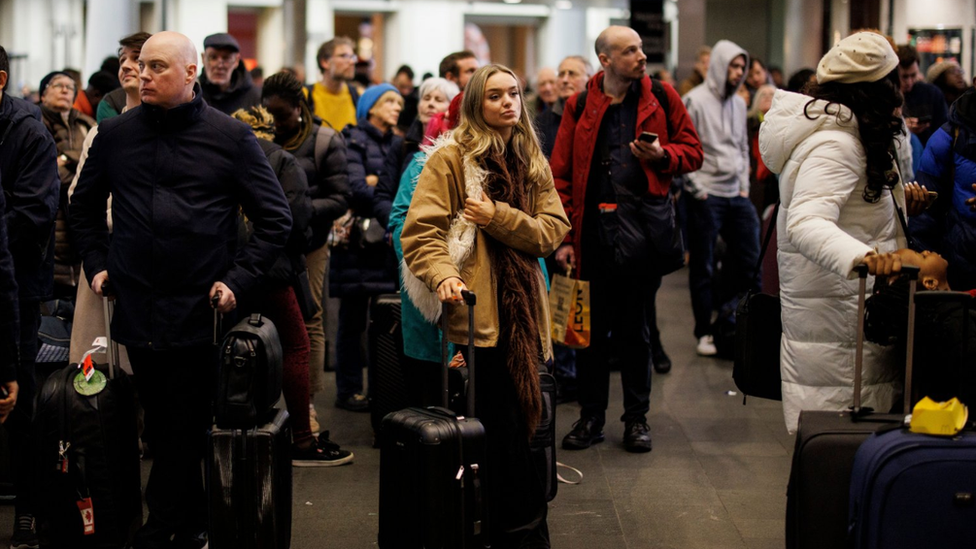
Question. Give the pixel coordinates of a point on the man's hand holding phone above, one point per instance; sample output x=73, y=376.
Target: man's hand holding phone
x=647, y=147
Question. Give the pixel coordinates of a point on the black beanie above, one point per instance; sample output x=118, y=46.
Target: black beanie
x=47, y=80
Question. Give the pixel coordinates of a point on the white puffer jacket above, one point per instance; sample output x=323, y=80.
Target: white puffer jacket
x=825, y=228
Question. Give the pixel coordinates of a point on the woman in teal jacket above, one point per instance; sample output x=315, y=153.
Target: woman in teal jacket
x=421, y=339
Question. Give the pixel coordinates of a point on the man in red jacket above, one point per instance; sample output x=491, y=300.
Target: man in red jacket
x=598, y=162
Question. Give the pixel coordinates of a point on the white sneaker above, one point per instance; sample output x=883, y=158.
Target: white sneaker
x=706, y=346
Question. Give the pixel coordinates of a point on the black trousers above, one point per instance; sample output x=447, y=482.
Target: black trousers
x=621, y=314
x=517, y=507
x=176, y=389
x=19, y=422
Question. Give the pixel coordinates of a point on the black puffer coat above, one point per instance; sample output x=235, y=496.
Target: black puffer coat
x=328, y=182
x=293, y=183
x=369, y=270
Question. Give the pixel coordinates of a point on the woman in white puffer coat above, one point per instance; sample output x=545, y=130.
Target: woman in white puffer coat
x=836, y=152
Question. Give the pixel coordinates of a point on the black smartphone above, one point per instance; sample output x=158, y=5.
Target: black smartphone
x=647, y=137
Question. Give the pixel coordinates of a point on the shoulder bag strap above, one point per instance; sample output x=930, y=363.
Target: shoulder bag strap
x=901, y=213
x=769, y=235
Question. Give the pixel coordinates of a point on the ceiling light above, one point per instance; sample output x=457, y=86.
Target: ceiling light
x=512, y=1
x=564, y=5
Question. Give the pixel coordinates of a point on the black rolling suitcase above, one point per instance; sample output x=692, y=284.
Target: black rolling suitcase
x=387, y=387
x=87, y=456
x=431, y=471
x=249, y=485
x=248, y=468
x=823, y=458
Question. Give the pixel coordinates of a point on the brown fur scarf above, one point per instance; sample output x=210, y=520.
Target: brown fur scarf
x=519, y=292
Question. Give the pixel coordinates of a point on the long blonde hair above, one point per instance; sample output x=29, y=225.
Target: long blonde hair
x=478, y=140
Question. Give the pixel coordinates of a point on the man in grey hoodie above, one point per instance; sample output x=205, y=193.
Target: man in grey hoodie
x=719, y=191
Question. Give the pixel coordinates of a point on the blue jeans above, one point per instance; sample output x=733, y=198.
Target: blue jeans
x=735, y=219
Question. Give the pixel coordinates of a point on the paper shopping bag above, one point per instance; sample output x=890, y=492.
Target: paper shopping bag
x=569, y=309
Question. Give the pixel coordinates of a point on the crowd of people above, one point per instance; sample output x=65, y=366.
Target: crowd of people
x=336, y=190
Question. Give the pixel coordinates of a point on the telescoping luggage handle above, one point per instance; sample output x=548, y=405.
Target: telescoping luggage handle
x=471, y=300
x=218, y=318
x=112, y=348
x=862, y=273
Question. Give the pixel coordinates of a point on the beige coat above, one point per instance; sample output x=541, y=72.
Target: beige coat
x=438, y=243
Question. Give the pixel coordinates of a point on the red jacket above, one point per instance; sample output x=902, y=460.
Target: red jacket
x=576, y=141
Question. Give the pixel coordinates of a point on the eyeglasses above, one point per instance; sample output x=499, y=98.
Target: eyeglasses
x=222, y=60
x=59, y=86
x=346, y=56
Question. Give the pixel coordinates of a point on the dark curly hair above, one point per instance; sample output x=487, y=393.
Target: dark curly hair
x=291, y=90
x=873, y=104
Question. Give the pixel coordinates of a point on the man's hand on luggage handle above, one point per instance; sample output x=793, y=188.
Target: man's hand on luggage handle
x=7, y=404
x=98, y=281
x=449, y=291
x=227, y=301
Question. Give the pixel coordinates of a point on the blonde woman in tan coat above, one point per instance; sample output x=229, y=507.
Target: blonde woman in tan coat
x=484, y=211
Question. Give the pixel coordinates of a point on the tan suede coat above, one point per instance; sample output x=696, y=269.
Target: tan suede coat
x=434, y=226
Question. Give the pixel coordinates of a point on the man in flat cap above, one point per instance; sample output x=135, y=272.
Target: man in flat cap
x=226, y=84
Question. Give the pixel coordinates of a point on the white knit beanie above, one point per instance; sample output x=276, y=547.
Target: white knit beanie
x=861, y=57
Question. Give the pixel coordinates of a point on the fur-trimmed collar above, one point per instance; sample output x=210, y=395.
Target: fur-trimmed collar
x=460, y=235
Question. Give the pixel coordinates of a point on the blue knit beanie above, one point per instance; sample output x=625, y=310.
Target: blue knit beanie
x=370, y=97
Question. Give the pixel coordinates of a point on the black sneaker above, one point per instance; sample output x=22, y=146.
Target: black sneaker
x=355, y=403
x=322, y=453
x=25, y=533
x=637, y=437
x=586, y=432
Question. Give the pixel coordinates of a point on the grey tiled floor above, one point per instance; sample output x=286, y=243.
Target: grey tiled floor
x=715, y=479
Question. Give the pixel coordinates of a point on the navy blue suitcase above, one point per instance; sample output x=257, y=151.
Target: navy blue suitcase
x=910, y=491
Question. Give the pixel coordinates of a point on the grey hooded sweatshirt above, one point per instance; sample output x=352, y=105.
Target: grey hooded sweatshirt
x=720, y=119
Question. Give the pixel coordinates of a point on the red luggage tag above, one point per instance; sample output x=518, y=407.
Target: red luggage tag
x=88, y=367
x=87, y=515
